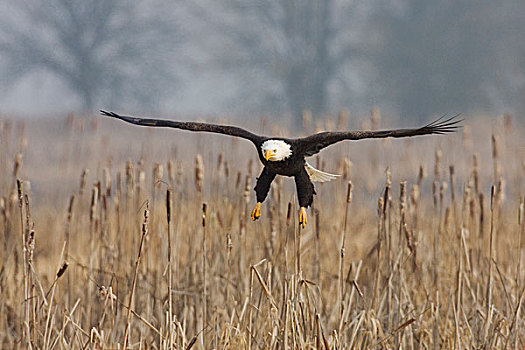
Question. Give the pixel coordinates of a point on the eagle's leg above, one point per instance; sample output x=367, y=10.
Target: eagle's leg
x=262, y=188
x=256, y=212
x=305, y=194
x=302, y=217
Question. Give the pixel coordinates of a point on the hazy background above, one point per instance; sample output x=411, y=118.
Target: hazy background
x=266, y=57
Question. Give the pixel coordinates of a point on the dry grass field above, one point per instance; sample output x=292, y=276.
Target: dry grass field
x=115, y=236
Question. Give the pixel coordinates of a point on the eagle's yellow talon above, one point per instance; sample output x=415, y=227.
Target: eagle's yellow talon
x=256, y=212
x=302, y=217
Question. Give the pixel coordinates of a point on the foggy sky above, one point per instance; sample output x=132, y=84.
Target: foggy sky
x=408, y=57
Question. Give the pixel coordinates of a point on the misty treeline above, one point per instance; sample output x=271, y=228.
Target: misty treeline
x=415, y=58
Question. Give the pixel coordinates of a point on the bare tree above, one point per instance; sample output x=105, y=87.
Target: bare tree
x=105, y=51
x=438, y=57
x=291, y=50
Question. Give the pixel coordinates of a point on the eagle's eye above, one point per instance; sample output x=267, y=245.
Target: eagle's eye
x=275, y=150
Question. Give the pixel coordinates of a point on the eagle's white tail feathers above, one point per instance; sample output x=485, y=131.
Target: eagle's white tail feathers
x=318, y=175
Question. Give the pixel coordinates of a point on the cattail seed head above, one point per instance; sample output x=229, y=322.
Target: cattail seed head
x=62, y=269
x=437, y=163
x=171, y=171
x=414, y=195
x=495, y=152
x=107, y=182
x=129, y=174
x=204, y=207
x=247, y=186
x=168, y=204
x=94, y=201
x=220, y=159
x=229, y=244
x=142, y=179
x=402, y=194
x=347, y=168
x=349, y=192
x=380, y=206
x=83, y=178
x=199, y=172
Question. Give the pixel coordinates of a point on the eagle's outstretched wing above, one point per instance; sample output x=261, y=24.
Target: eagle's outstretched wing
x=310, y=145
x=191, y=126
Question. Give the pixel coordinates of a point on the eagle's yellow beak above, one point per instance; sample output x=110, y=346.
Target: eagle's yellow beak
x=268, y=154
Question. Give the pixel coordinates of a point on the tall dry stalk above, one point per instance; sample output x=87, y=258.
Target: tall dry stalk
x=170, y=269
x=135, y=274
x=342, y=251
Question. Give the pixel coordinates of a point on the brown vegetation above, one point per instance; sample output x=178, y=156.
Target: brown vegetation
x=115, y=236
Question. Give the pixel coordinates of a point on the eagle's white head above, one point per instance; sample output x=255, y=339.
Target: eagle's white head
x=276, y=150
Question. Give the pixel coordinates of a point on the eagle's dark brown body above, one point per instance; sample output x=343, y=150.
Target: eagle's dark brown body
x=294, y=165
x=291, y=166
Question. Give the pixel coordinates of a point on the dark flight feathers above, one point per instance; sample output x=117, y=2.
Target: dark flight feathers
x=191, y=126
x=307, y=146
x=314, y=143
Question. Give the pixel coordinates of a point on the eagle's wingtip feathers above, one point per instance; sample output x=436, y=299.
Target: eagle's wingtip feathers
x=446, y=126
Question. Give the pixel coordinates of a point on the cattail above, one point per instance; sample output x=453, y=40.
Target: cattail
x=30, y=246
x=500, y=191
x=199, y=172
x=129, y=175
x=452, y=182
x=388, y=190
x=142, y=180
x=442, y=190
x=349, y=192
x=204, y=207
x=380, y=207
x=226, y=169
x=495, y=149
x=347, y=167
x=289, y=213
x=495, y=157
x=171, y=171
x=220, y=159
x=247, y=185
x=168, y=206
x=250, y=167
x=238, y=180
x=83, y=177
x=437, y=164
x=17, y=165
x=94, y=201
x=62, y=269
x=414, y=195
x=20, y=192
x=421, y=175
x=402, y=195
x=107, y=182
x=435, y=192
x=475, y=172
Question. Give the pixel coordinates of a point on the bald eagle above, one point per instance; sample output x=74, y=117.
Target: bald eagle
x=284, y=156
